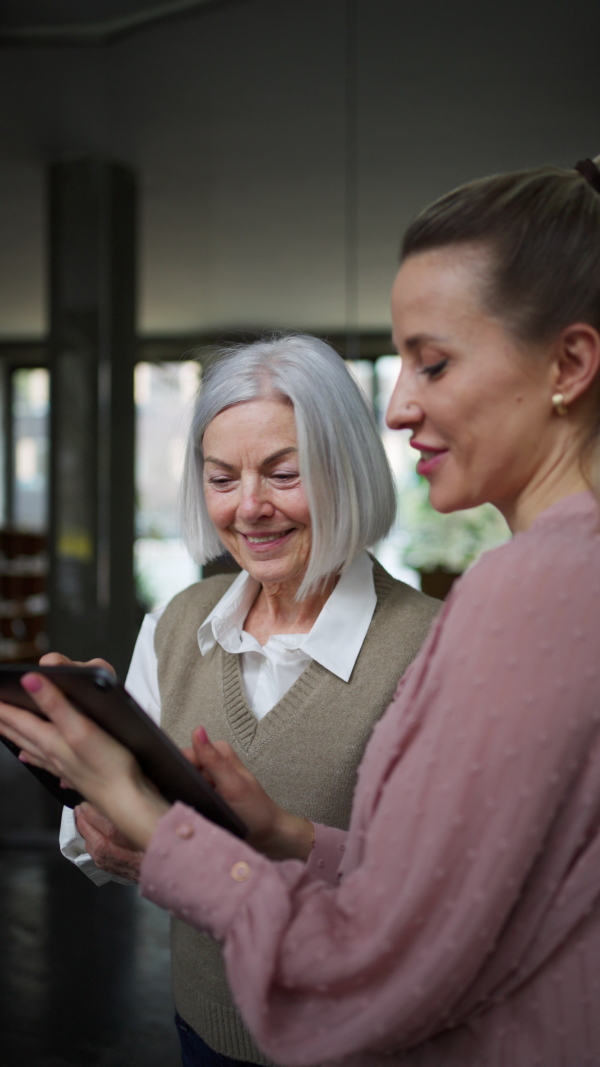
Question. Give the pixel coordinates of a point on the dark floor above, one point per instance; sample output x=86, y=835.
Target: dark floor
x=84, y=970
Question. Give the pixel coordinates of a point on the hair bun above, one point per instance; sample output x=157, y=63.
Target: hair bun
x=589, y=170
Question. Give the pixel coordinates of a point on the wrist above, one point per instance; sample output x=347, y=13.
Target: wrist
x=293, y=837
x=136, y=809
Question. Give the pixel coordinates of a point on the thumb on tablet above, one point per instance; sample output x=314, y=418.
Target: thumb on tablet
x=217, y=761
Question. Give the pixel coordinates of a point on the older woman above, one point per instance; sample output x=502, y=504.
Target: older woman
x=462, y=927
x=293, y=661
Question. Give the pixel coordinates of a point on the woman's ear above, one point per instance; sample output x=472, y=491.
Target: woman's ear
x=577, y=361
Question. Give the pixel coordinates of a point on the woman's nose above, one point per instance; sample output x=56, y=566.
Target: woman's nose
x=254, y=503
x=403, y=412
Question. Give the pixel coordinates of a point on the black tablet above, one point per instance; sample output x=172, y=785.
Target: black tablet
x=95, y=693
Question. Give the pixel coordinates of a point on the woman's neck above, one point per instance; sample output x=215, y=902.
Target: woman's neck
x=276, y=611
x=561, y=478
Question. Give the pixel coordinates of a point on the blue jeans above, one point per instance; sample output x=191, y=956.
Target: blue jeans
x=196, y=1053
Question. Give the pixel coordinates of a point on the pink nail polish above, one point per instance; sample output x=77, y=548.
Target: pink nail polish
x=31, y=682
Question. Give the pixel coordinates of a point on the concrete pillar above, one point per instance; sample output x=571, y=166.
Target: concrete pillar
x=92, y=353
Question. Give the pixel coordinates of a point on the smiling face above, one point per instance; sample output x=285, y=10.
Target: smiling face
x=253, y=490
x=478, y=406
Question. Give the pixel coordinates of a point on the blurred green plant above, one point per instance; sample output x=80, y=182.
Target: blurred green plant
x=445, y=542
x=144, y=593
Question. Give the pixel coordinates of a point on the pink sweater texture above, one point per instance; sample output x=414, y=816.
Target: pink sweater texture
x=457, y=922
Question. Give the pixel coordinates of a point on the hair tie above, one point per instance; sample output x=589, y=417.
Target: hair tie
x=588, y=170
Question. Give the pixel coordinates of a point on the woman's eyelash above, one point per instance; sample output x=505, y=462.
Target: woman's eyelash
x=283, y=476
x=434, y=369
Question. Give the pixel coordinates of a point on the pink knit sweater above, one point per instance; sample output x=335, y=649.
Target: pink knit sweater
x=463, y=925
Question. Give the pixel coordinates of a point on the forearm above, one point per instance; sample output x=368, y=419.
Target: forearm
x=134, y=806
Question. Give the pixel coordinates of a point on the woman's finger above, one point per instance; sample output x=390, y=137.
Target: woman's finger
x=32, y=761
x=215, y=753
x=74, y=727
x=219, y=763
x=190, y=755
x=11, y=726
x=26, y=730
x=31, y=758
x=56, y=659
x=89, y=816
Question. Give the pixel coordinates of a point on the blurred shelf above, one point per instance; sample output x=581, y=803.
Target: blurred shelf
x=23, y=598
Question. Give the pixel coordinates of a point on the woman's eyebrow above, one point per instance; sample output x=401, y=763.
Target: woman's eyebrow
x=219, y=462
x=413, y=343
x=279, y=454
x=269, y=459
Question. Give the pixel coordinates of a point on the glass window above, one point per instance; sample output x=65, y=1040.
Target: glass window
x=422, y=541
x=377, y=379
x=362, y=372
x=390, y=552
x=30, y=409
x=164, y=395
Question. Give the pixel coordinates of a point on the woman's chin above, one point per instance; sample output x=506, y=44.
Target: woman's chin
x=445, y=500
x=446, y=503
x=274, y=571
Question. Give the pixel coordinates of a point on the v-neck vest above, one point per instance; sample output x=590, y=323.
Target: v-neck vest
x=305, y=751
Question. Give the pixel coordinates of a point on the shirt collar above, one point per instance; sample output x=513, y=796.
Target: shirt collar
x=226, y=620
x=337, y=635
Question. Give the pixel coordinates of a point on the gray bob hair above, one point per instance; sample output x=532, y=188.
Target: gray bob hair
x=342, y=462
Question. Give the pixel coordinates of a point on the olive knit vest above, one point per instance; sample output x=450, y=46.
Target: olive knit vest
x=305, y=751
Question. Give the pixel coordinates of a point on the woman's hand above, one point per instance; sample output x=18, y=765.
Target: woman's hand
x=86, y=758
x=110, y=850
x=272, y=830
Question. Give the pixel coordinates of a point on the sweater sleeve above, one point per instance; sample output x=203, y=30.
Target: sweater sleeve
x=327, y=853
x=465, y=827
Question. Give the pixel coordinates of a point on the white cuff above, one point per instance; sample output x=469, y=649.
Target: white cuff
x=72, y=847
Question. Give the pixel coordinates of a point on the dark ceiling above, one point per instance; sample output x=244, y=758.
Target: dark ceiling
x=280, y=147
x=93, y=22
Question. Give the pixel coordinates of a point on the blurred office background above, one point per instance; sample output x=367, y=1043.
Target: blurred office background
x=175, y=174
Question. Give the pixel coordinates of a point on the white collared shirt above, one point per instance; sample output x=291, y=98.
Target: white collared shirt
x=268, y=671
x=334, y=641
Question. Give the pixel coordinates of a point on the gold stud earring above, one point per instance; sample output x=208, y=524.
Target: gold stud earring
x=558, y=402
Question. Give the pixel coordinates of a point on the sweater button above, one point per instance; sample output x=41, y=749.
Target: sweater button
x=240, y=871
x=184, y=830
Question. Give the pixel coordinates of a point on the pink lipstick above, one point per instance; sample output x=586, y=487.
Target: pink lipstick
x=430, y=457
